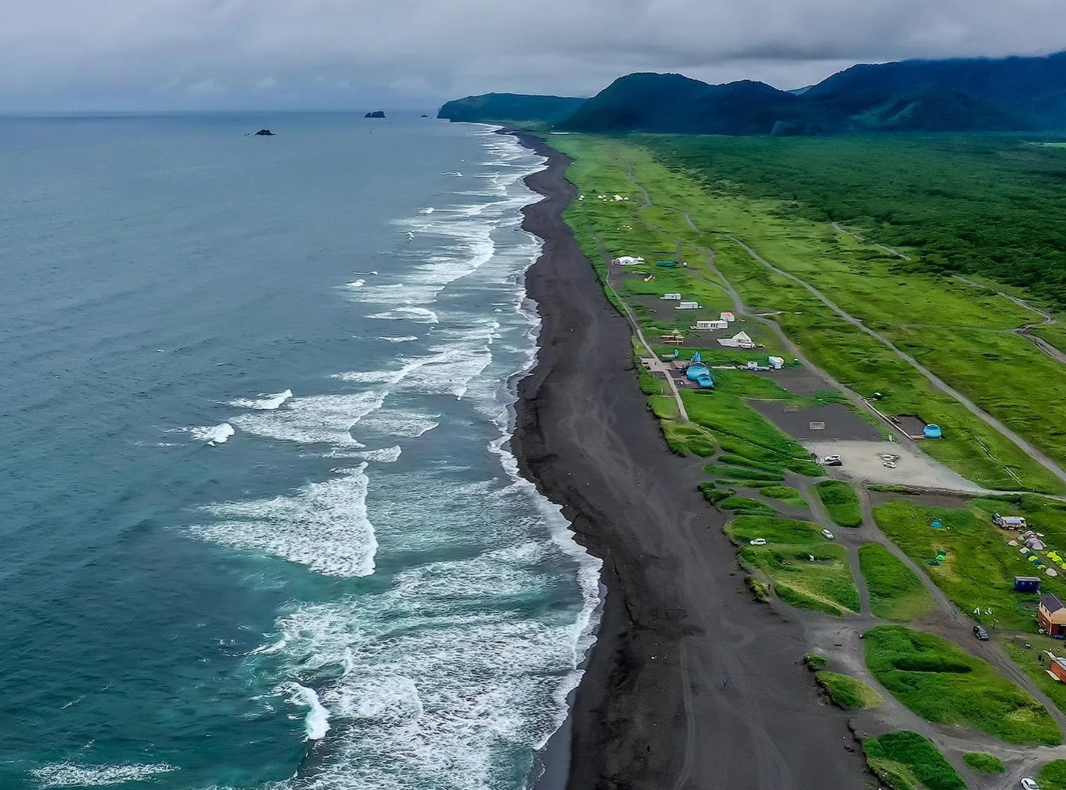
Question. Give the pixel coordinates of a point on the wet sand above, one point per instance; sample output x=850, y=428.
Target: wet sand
x=691, y=683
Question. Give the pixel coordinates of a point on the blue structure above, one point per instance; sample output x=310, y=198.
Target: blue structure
x=701, y=374
x=696, y=358
x=933, y=432
x=1027, y=583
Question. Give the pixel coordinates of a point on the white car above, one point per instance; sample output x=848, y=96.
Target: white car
x=828, y=534
x=832, y=460
x=1029, y=784
x=757, y=541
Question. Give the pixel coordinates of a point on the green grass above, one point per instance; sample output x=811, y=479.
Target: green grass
x=786, y=494
x=980, y=567
x=940, y=682
x=1052, y=776
x=895, y=592
x=815, y=662
x=908, y=761
x=746, y=506
x=1030, y=663
x=984, y=763
x=824, y=585
x=877, y=287
x=840, y=502
x=744, y=473
x=847, y=692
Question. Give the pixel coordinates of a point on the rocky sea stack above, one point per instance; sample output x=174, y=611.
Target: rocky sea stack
x=375, y=114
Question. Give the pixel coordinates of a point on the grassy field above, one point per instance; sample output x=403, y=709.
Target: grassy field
x=860, y=278
x=980, y=566
x=1053, y=776
x=847, y=692
x=823, y=584
x=1029, y=659
x=942, y=683
x=840, y=502
x=786, y=494
x=984, y=763
x=895, y=592
x=907, y=761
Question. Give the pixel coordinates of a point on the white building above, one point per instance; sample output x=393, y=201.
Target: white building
x=688, y=305
x=777, y=363
x=711, y=324
x=671, y=297
x=728, y=317
x=739, y=340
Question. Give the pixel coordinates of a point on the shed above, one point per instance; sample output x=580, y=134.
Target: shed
x=1051, y=615
x=1057, y=668
x=933, y=431
x=1026, y=583
x=688, y=305
x=777, y=363
x=728, y=317
x=671, y=297
x=711, y=324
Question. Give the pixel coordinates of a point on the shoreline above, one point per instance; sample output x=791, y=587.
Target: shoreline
x=653, y=708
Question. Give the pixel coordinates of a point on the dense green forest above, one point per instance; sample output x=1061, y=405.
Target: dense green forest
x=990, y=205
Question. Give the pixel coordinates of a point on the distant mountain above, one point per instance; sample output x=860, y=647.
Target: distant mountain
x=673, y=103
x=509, y=107
x=959, y=95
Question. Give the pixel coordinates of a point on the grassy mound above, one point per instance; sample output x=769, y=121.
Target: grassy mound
x=895, y=592
x=841, y=502
x=848, y=692
x=984, y=763
x=1052, y=776
x=907, y=761
x=942, y=683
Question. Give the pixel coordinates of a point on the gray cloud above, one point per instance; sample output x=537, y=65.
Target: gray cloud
x=162, y=54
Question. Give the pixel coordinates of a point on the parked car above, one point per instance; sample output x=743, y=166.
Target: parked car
x=832, y=460
x=980, y=632
x=828, y=534
x=757, y=541
x=1029, y=784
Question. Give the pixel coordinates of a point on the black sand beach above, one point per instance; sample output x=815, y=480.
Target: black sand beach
x=691, y=684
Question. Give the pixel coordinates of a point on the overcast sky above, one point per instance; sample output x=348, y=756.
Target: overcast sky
x=360, y=54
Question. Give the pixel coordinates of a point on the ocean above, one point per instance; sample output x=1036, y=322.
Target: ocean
x=260, y=526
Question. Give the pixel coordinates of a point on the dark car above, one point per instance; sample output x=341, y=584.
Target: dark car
x=980, y=632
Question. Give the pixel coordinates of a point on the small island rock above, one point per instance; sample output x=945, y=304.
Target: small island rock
x=375, y=114
x=264, y=133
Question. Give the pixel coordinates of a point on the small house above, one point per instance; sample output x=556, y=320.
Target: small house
x=776, y=363
x=1026, y=583
x=671, y=297
x=1057, y=668
x=688, y=305
x=739, y=340
x=728, y=317
x=1051, y=615
x=711, y=324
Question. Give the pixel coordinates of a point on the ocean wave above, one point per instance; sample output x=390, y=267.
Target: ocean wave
x=212, y=435
x=323, y=526
x=264, y=402
x=428, y=210
x=419, y=315
x=317, y=419
x=316, y=723
x=403, y=339
x=75, y=775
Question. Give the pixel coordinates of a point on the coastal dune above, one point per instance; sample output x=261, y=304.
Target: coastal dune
x=691, y=683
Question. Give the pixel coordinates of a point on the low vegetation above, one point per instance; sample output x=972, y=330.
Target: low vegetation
x=814, y=661
x=787, y=494
x=848, y=692
x=942, y=683
x=745, y=506
x=801, y=566
x=840, y=502
x=978, y=566
x=908, y=761
x=1053, y=776
x=1033, y=660
x=984, y=763
x=895, y=592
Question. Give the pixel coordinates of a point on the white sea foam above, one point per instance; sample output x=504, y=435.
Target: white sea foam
x=264, y=402
x=316, y=723
x=428, y=210
x=403, y=339
x=323, y=526
x=419, y=315
x=318, y=419
x=387, y=455
x=75, y=775
x=357, y=284
x=212, y=434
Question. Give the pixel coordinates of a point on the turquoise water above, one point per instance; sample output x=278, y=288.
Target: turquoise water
x=260, y=527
